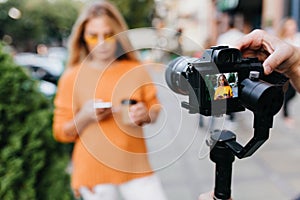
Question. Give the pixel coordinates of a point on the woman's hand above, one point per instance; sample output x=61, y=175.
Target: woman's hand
x=92, y=114
x=139, y=114
x=87, y=114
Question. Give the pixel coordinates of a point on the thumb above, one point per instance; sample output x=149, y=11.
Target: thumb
x=280, y=55
x=273, y=62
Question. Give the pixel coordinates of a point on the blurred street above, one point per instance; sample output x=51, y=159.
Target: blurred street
x=36, y=35
x=180, y=157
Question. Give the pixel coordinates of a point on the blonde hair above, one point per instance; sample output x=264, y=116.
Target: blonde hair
x=77, y=47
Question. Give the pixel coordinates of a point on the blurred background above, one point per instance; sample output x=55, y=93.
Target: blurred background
x=41, y=27
x=34, y=37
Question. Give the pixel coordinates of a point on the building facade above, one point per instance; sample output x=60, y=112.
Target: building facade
x=203, y=20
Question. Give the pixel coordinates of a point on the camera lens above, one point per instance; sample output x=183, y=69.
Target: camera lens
x=176, y=75
x=261, y=96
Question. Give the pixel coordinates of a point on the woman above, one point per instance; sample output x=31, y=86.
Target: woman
x=223, y=90
x=108, y=154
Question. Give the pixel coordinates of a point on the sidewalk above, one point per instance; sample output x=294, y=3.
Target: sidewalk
x=177, y=152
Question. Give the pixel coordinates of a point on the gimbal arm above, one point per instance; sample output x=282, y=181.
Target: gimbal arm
x=262, y=124
x=226, y=146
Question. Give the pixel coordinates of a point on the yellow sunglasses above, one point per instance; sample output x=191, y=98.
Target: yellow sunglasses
x=93, y=39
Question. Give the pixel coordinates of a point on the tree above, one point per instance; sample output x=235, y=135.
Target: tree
x=41, y=21
x=32, y=163
x=51, y=21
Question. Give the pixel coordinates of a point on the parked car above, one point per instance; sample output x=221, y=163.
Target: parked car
x=43, y=68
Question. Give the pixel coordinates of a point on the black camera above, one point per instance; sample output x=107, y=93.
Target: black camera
x=222, y=82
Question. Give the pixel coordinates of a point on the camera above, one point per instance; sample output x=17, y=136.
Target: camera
x=221, y=81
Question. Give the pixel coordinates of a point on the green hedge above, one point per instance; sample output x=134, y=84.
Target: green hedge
x=32, y=164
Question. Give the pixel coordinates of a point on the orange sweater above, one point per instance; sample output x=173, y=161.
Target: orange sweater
x=108, y=151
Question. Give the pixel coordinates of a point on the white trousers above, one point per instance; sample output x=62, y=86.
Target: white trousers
x=146, y=188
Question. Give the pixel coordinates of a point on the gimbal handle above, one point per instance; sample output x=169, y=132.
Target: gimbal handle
x=226, y=147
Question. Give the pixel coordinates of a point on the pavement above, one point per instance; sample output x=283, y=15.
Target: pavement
x=179, y=155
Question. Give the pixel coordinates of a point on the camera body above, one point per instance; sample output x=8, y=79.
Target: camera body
x=222, y=82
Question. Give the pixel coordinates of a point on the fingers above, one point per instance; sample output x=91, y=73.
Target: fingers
x=102, y=113
x=139, y=113
x=270, y=49
x=101, y=109
x=281, y=59
x=251, y=41
x=257, y=44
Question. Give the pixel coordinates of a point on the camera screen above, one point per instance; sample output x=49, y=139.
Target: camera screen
x=222, y=86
